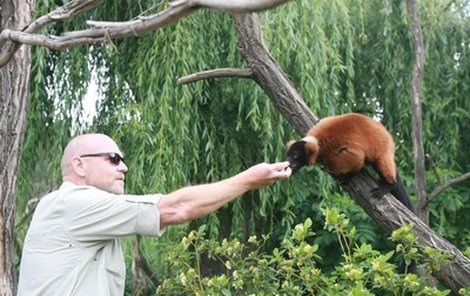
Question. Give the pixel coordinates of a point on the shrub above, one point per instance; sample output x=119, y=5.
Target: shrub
x=291, y=269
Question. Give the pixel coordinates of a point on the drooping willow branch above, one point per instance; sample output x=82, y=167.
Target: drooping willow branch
x=102, y=31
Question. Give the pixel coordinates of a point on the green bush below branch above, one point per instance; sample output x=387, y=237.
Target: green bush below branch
x=292, y=268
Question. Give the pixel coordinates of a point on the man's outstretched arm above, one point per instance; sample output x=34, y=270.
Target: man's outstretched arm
x=192, y=202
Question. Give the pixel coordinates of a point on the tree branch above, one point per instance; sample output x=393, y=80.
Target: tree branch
x=269, y=75
x=28, y=212
x=417, y=122
x=102, y=31
x=387, y=211
x=216, y=73
x=235, y=6
x=142, y=263
x=443, y=187
x=433, y=165
x=73, y=8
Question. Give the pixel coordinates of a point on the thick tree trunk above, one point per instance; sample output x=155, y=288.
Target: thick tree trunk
x=387, y=212
x=14, y=90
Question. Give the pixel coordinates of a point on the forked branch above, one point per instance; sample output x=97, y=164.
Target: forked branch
x=11, y=39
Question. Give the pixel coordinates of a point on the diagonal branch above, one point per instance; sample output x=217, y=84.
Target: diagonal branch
x=269, y=75
x=143, y=264
x=102, y=31
x=443, y=187
x=387, y=211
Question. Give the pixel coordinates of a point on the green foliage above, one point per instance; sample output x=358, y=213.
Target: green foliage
x=341, y=55
x=464, y=291
x=292, y=269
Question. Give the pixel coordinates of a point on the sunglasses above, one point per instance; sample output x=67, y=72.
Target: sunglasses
x=113, y=157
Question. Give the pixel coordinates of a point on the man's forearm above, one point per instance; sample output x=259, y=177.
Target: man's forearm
x=196, y=201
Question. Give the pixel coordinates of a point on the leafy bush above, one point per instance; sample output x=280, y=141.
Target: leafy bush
x=291, y=269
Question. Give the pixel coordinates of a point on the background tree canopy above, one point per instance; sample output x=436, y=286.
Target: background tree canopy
x=341, y=55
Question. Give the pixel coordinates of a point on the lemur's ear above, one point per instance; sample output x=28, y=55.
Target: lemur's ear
x=311, y=148
x=289, y=144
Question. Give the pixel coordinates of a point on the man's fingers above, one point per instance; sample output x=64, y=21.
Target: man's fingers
x=280, y=166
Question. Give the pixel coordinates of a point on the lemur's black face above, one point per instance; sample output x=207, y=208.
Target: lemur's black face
x=297, y=156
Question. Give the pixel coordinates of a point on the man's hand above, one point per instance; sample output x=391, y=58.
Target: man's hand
x=196, y=201
x=264, y=174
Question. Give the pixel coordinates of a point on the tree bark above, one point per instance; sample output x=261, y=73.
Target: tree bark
x=387, y=211
x=14, y=90
x=268, y=74
x=417, y=122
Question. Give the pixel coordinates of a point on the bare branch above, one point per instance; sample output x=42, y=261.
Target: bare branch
x=64, y=12
x=445, y=186
x=144, y=265
x=433, y=165
x=119, y=30
x=102, y=31
x=417, y=121
x=28, y=212
x=67, y=11
x=216, y=73
x=235, y=6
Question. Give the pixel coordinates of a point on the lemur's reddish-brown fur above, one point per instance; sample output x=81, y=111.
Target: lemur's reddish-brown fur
x=346, y=142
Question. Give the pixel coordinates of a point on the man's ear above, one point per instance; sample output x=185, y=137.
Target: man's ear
x=78, y=166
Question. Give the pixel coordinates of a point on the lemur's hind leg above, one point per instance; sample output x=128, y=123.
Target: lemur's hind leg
x=386, y=169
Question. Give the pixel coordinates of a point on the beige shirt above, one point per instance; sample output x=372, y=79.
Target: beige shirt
x=72, y=246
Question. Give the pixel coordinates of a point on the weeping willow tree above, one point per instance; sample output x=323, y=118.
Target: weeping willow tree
x=340, y=55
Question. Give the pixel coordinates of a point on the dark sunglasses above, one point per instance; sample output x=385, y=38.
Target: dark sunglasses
x=114, y=158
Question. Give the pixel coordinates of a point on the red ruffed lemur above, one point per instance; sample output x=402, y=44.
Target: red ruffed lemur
x=344, y=144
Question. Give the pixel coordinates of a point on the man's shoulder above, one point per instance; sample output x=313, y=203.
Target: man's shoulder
x=72, y=194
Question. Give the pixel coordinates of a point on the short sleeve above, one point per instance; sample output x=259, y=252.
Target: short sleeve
x=147, y=220
x=91, y=214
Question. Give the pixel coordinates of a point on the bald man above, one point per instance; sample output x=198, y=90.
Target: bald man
x=73, y=244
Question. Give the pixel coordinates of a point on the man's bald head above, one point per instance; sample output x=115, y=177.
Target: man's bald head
x=85, y=144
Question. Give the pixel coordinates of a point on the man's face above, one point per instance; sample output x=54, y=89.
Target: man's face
x=106, y=171
x=105, y=168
